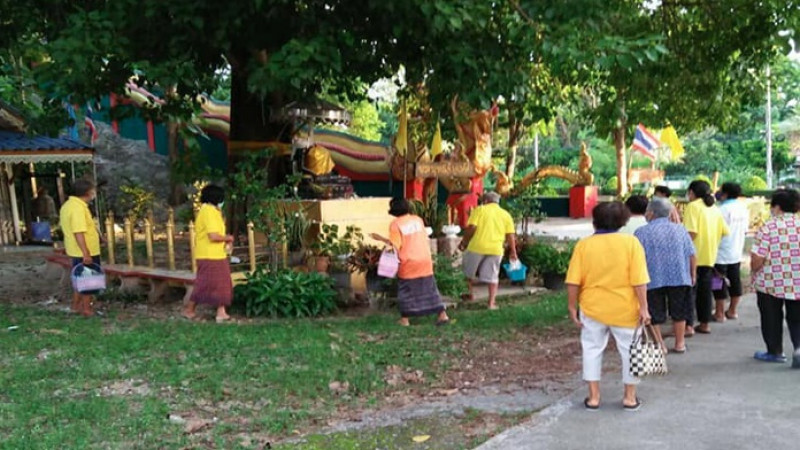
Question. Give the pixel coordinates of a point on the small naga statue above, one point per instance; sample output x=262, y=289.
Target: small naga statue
x=583, y=177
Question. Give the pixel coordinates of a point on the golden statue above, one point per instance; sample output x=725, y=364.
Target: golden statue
x=319, y=161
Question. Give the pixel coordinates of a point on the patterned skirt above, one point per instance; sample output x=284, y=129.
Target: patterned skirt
x=213, y=285
x=419, y=297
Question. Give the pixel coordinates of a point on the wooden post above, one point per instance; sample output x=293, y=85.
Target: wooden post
x=251, y=246
x=191, y=246
x=129, y=240
x=171, y=239
x=110, y=236
x=148, y=241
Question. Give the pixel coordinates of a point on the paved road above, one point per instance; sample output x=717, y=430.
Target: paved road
x=716, y=396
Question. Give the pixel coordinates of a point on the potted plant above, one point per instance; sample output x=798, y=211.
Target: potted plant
x=549, y=262
x=294, y=225
x=329, y=245
x=365, y=260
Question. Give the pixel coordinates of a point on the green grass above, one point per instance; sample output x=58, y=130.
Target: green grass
x=58, y=373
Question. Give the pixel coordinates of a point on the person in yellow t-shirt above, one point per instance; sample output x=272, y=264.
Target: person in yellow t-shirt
x=706, y=226
x=81, y=238
x=212, y=284
x=607, y=278
x=488, y=228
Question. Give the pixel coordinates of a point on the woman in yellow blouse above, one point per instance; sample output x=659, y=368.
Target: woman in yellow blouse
x=212, y=284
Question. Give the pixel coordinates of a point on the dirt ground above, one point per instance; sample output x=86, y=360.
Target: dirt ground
x=490, y=388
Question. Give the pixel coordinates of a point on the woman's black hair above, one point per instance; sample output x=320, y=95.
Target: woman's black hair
x=637, y=204
x=212, y=194
x=610, y=216
x=731, y=190
x=399, y=207
x=663, y=190
x=702, y=189
x=788, y=200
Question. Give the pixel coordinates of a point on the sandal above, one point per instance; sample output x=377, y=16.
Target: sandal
x=633, y=407
x=731, y=316
x=590, y=407
x=677, y=350
x=223, y=319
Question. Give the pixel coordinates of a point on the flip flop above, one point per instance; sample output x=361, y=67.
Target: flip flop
x=731, y=316
x=634, y=407
x=223, y=319
x=701, y=331
x=590, y=407
x=677, y=350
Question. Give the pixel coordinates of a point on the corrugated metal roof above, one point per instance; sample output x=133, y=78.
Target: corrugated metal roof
x=21, y=142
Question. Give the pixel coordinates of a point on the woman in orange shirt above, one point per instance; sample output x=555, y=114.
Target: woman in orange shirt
x=417, y=294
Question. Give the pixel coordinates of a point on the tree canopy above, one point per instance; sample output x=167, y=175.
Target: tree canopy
x=691, y=63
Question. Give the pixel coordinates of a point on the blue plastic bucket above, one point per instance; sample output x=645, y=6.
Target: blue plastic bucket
x=517, y=274
x=40, y=231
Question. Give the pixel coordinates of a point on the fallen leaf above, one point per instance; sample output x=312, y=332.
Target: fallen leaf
x=195, y=425
x=421, y=438
x=338, y=386
x=51, y=331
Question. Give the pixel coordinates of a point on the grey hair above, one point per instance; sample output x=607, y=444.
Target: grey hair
x=659, y=207
x=491, y=197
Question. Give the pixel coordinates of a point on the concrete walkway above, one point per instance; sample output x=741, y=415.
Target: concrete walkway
x=716, y=396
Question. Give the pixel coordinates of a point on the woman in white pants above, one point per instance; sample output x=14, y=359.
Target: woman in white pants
x=608, y=278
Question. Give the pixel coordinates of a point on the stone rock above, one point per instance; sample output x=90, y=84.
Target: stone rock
x=126, y=162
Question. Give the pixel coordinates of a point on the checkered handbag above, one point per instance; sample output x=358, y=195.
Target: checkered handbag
x=648, y=355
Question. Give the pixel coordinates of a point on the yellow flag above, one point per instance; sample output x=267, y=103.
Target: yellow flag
x=436, y=145
x=401, y=138
x=670, y=137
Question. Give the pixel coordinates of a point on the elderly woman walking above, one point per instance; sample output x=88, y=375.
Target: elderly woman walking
x=775, y=264
x=213, y=284
x=607, y=279
x=672, y=266
x=417, y=294
x=706, y=226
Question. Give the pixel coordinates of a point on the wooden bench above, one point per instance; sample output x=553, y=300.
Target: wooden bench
x=131, y=277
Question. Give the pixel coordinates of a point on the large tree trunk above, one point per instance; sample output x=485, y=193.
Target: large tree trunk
x=566, y=139
x=251, y=126
x=175, y=188
x=514, y=133
x=622, y=166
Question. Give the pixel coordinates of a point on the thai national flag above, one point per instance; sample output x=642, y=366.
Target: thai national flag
x=645, y=142
x=88, y=123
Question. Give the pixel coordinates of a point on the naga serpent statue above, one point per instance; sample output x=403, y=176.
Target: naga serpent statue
x=582, y=177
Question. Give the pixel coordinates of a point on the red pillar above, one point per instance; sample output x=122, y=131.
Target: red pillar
x=112, y=100
x=582, y=200
x=414, y=189
x=465, y=202
x=151, y=136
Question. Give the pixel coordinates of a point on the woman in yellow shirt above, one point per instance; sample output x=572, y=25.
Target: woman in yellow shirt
x=706, y=226
x=608, y=278
x=212, y=284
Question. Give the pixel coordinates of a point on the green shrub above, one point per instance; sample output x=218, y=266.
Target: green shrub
x=449, y=278
x=545, y=258
x=754, y=183
x=286, y=293
x=612, y=184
